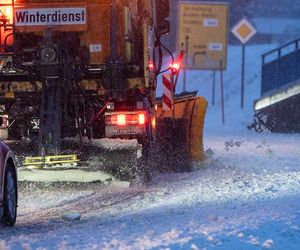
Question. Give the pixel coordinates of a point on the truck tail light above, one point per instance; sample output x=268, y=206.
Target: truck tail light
x=153, y=122
x=142, y=119
x=123, y=119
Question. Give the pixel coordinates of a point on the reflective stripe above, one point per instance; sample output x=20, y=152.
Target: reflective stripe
x=167, y=92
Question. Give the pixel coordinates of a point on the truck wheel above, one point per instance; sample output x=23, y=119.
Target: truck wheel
x=10, y=197
x=145, y=164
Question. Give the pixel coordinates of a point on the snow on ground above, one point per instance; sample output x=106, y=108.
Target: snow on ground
x=246, y=195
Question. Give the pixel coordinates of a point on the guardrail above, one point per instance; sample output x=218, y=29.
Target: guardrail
x=280, y=66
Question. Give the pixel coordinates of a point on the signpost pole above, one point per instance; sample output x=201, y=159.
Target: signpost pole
x=222, y=92
x=243, y=75
x=243, y=31
x=214, y=88
x=185, y=62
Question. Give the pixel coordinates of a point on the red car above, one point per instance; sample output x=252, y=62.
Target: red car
x=8, y=186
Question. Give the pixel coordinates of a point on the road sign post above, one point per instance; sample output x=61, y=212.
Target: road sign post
x=185, y=62
x=213, y=87
x=243, y=30
x=222, y=93
x=243, y=76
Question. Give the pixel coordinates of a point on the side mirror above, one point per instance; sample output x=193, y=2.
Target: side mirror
x=162, y=13
x=163, y=27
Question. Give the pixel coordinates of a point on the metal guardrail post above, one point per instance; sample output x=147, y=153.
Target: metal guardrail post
x=262, y=74
x=295, y=61
x=278, y=68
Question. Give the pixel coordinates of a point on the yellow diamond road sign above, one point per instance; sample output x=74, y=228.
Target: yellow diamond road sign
x=243, y=30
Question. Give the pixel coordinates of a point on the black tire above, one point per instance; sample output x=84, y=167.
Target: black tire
x=10, y=197
x=145, y=163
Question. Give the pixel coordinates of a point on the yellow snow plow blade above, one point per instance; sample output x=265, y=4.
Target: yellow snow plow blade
x=40, y=162
x=192, y=109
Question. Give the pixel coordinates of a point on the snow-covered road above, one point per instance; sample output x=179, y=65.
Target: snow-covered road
x=246, y=196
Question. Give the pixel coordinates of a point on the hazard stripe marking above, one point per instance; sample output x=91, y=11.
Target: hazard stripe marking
x=167, y=83
x=167, y=92
x=167, y=102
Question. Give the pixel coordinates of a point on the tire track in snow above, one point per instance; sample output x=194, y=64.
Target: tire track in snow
x=94, y=202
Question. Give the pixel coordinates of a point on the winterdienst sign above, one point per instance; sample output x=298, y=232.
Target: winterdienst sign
x=37, y=18
x=50, y=16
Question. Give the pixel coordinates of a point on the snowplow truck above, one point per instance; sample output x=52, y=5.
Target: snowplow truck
x=80, y=77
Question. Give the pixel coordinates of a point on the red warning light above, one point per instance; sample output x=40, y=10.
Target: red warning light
x=175, y=66
x=151, y=66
